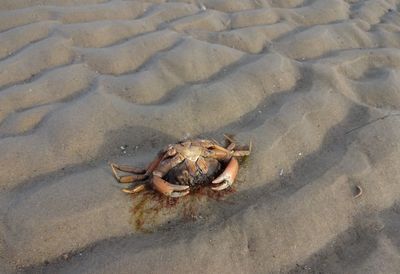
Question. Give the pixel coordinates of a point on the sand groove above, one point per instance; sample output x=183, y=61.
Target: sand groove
x=314, y=84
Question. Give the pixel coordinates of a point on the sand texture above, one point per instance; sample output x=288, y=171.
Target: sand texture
x=315, y=84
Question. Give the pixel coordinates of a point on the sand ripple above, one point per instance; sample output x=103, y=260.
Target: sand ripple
x=314, y=85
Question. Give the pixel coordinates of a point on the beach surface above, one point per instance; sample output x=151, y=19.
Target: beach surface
x=313, y=84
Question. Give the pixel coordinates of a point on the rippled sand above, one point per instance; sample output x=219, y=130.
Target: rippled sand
x=315, y=84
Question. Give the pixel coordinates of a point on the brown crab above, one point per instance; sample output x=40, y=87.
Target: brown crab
x=188, y=163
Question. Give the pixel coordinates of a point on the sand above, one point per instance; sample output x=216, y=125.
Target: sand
x=315, y=84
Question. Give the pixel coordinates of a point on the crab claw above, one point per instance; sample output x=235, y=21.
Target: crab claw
x=168, y=189
x=228, y=176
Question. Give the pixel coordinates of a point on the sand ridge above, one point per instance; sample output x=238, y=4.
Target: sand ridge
x=314, y=85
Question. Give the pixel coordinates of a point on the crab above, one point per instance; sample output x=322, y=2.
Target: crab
x=179, y=167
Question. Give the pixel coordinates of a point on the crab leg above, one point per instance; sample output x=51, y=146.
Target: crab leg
x=220, y=148
x=222, y=153
x=135, y=189
x=241, y=153
x=231, y=146
x=142, y=174
x=128, y=178
x=229, y=138
x=230, y=143
x=155, y=163
x=130, y=169
x=168, y=189
x=131, y=178
x=227, y=177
